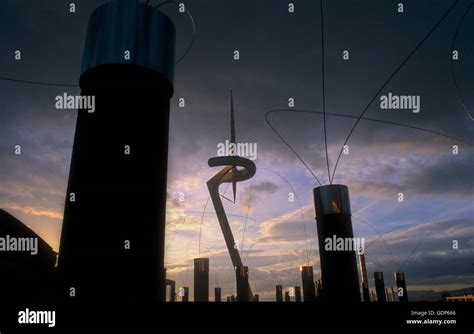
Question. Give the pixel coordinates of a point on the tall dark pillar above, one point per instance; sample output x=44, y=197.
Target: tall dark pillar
x=319, y=289
x=243, y=287
x=217, y=295
x=201, y=280
x=338, y=267
x=172, y=285
x=373, y=297
x=401, y=287
x=380, y=286
x=307, y=277
x=363, y=275
x=112, y=241
x=297, y=294
x=279, y=293
x=185, y=296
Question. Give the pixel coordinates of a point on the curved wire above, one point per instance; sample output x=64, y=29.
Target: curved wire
x=191, y=18
x=301, y=209
x=452, y=62
x=386, y=83
x=374, y=120
x=289, y=146
x=246, y=219
x=175, y=234
x=380, y=236
x=324, y=90
x=200, y=227
x=412, y=252
x=39, y=83
x=204, y=211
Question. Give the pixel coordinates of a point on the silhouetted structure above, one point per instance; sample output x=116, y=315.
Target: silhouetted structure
x=307, y=277
x=235, y=169
x=363, y=275
x=388, y=295
x=319, y=289
x=229, y=299
x=338, y=267
x=112, y=241
x=185, y=296
x=297, y=294
x=394, y=296
x=256, y=297
x=279, y=293
x=401, y=287
x=243, y=287
x=217, y=294
x=172, y=285
x=287, y=296
x=201, y=280
x=24, y=277
x=379, y=286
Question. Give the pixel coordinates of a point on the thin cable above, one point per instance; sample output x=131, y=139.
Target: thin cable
x=291, y=148
x=39, y=83
x=395, y=262
x=372, y=120
x=248, y=252
x=324, y=91
x=452, y=63
x=413, y=251
x=175, y=234
x=200, y=228
x=386, y=83
x=204, y=211
x=308, y=251
x=191, y=18
x=246, y=219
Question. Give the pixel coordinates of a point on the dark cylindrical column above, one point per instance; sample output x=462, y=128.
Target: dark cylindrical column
x=185, y=295
x=380, y=286
x=256, y=297
x=401, y=287
x=228, y=299
x=319, y=289
x=232, y=298
x=287, y=296
x=242, y=277
x=297, y=293
x=279, y=293
x=394, y=296
x=201, y=280
x=217, y=295
x=113, y=233
x=363, y=275
x=307, y=277
x=338, y=267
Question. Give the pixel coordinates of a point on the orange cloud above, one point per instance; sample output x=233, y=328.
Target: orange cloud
x=36, y=212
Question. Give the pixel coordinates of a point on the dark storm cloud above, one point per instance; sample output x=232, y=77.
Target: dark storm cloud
x=447, y=175
x=265, y=186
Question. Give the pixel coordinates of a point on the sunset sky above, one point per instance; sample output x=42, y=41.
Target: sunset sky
x=280, y=57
